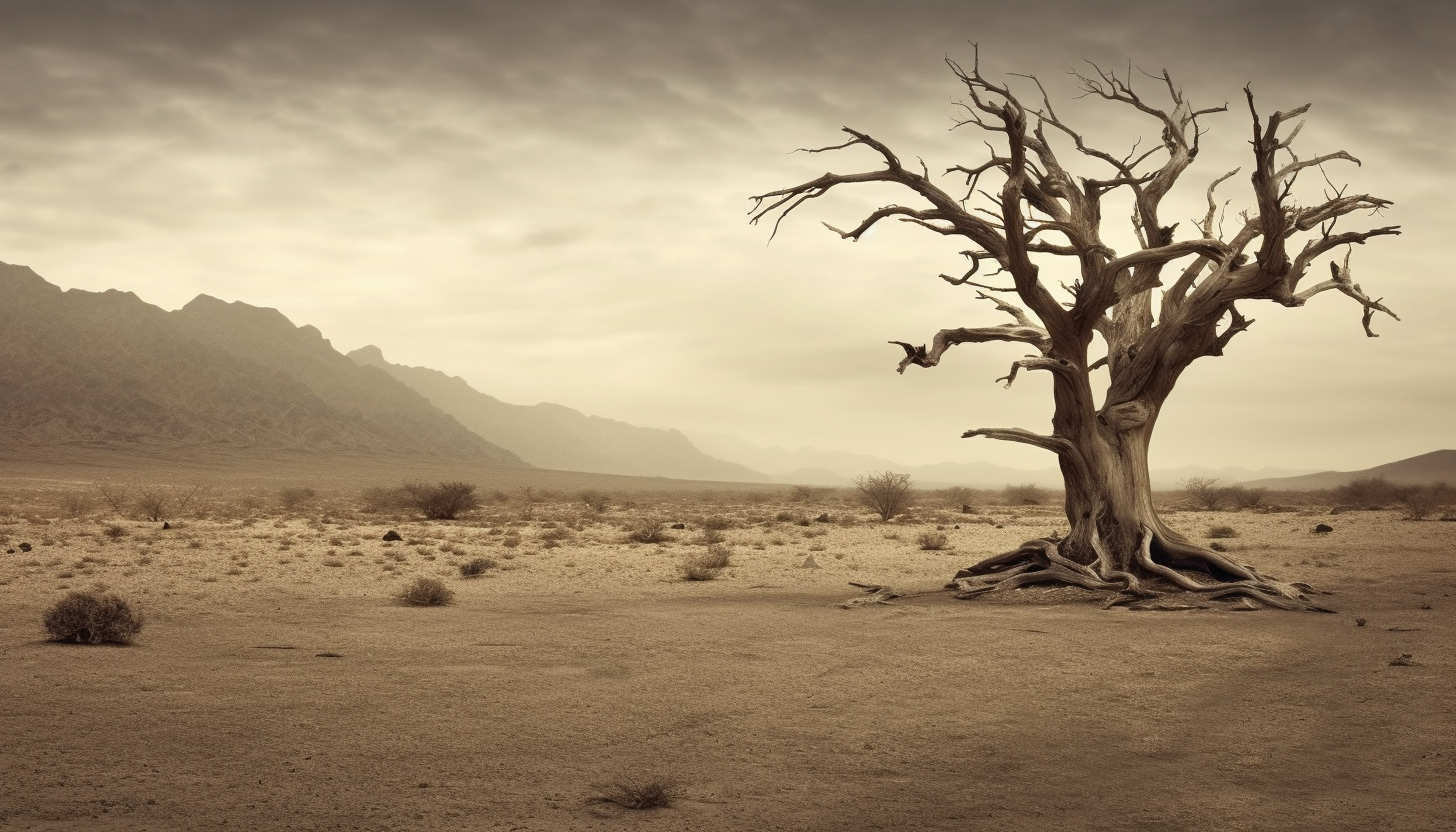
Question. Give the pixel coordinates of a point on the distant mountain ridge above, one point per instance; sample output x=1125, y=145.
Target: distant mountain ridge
x=108, y=368
x=552, y=436
x=838, y=468
x=1436, y=466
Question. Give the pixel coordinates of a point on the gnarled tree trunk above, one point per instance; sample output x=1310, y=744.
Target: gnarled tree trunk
x=1116, y=539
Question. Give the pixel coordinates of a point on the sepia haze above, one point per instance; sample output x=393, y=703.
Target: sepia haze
x=548, y=201
x=109, y=372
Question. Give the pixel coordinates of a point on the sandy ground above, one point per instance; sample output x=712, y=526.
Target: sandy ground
x=587, y=660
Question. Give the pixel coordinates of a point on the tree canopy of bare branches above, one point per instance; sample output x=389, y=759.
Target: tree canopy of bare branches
x=1139, y=316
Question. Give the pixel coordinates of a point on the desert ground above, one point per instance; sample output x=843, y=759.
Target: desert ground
x=279, y=683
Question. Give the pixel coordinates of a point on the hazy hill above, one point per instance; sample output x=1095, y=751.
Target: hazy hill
x=552, y=436
x=108, y=368
x=1436, y=466
x=813, y=466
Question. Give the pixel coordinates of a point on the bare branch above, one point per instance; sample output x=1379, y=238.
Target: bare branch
x=1055, y=444
x=947, y=338
x=1340, y=279
x=1032, y=362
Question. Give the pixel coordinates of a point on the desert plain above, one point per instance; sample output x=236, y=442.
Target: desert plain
x=279, y=683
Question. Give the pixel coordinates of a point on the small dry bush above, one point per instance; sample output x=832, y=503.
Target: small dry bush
x=932, y=541
x=648, y=530
x=476, y=567
x=1246, y=498
x=1025, y=494
x=1365, y=493
x=706, y=565
x=75, y=504
x=717, y=523
x=596, y=500
x=445, y=501
x=887, y=492
x=114, y=532
x=296, y=497
x=630, y=794
x=1421, y=501
x=1218, y=532
x=94, y=617
x=427, y=592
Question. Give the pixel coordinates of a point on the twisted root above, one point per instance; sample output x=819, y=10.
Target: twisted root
x=1041, y=561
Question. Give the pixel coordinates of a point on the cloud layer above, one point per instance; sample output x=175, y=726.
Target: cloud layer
x=549, y=199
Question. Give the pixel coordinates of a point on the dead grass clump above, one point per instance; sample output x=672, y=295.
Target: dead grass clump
x=932, y=541
x=476, y=567
x=717, y=523
x=427, y=592
x=94, y=617
x=115, y=532
x=1222, y=532
x=657, y=793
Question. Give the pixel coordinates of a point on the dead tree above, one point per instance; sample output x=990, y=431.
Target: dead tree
x=1109, y=320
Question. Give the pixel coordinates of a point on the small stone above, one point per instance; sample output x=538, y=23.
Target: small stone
x=679, y=525
x=823, y=518
x=392, y=535
x=809, y=563
x=1323, y=528
x=166, y=525
x=25, y=547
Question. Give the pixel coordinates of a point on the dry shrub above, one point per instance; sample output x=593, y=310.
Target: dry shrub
x=717, y=523
x=476, y=567
x=656, y=793
x=1218, y=532
x=75, y=504
x=1024, y=494
x=932, y=541
x=648, y=530
x=94, y=617
x=887, y=492
x=596, y=500
x=115, y=532
x=296, y=497
x=427, y=592
x=445, y=501
x=706, y=565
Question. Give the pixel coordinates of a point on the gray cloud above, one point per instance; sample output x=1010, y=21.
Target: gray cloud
x=548, y=198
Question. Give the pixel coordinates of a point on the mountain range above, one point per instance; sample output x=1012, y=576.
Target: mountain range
x=107, y=369
x=552, y=436
x=85, y=369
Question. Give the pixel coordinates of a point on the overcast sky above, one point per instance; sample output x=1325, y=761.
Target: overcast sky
x=549, y=199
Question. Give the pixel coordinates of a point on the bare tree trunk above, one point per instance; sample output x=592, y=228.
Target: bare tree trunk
x=1045, y=213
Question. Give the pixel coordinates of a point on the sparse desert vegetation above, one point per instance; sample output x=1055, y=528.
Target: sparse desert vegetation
x=662, y=644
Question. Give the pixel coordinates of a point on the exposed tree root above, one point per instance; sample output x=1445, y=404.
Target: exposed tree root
x=1041, y=561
